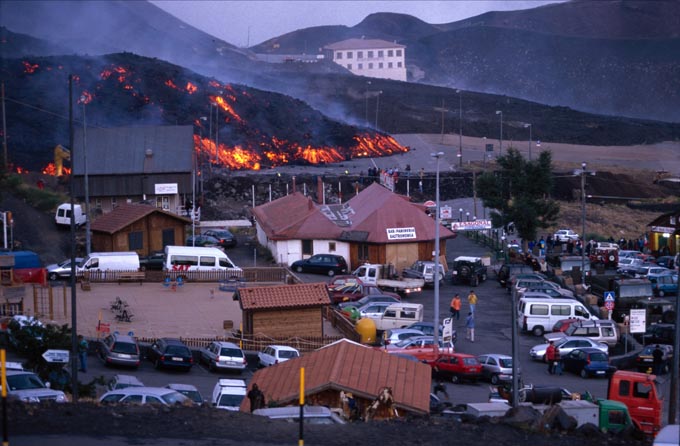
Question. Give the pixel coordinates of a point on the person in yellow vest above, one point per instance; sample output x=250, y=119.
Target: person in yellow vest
x=472, y=300
x=455, y=307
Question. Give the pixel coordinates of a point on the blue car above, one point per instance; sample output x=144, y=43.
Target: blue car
x=588, y=362
x=665, y=285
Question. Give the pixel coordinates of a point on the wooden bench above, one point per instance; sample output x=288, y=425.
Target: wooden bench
x=132, y=276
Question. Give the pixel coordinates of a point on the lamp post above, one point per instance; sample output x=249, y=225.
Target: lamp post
x=437, y=155
x=583, y=223
x=460, y=128
x=529, y=126
x=460, y=217
x=88, y=242
x=467, y=216
x=377, y=108
x=500, y=150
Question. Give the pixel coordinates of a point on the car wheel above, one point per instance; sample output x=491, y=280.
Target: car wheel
x=298, y=269
x=494, y=379
x=455, y=379
x=584, y=374
x=538, y=331
x=331, y=273
x=53, y=276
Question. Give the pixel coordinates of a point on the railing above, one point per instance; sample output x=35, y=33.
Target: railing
x=254, y=274
x=341, y=323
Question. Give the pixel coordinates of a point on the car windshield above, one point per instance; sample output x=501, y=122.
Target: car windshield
x=24, y=381
x=193, y=395
x=470, y=361
x=287, y=354
x=505, y=362
x=174, y=398
x=231, y=352
x=178, y=350
x=124, y=347
x=230, y=400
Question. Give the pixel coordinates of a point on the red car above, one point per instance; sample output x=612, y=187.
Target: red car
x=457, y=367
x=350, y=289
x=563, y=324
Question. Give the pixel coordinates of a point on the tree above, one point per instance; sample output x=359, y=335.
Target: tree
x=519, y=193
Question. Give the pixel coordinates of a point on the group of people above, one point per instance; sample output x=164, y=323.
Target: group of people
x=470, y=319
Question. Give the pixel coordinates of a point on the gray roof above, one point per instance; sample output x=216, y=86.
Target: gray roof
x=123, y=150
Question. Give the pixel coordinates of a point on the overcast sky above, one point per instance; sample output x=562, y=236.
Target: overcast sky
x=247, y=23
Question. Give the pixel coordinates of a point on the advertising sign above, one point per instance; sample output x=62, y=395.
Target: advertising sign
x=401, y=233
x=475, y=225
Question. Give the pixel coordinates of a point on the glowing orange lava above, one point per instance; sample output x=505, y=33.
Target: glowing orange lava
x=51, y=169
x=191, y=88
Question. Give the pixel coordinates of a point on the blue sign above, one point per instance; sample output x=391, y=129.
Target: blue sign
x=609, y=296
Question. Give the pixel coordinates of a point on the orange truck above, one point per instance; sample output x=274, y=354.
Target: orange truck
x=639, y=393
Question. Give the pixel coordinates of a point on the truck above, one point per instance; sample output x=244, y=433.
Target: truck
x=384, y=276
x=424, y=269
x=632, y=294
x=639, y=393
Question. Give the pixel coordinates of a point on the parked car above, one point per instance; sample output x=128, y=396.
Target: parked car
x=145, y=395
x=28, y=387
x=228, y=394
x=118, y=349
x=563, y=324
x=422, y=347
x=659, y=334
x=155, y=261
x=467, y=269
x=123, y=382
x=329, y=264
x=171, y=353
x=373, y=310
x=61, y=270
x=564, y=235
x=369, y=299
x=666, y=262
x=188, y=390
x=644, y=361
x=507, y=270
x=665, y=285
x=351, y=292
x=629, y=265
x=424, y=269
x=428, y=329
x=396, y=335
x=225, y=238
x=646, y=269
x=496, y=368
x=456, y=366
x=533, y=275
x=587, y=362
x=274, y=354
x=223, y=356
x=202, y=240
x=547, y=290
x=599, y=330
x=311, y=415
x=566, y=345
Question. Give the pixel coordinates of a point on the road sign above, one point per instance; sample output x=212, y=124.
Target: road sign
x=609, y=296
x=609, y=305
x=60, y=356
x=447, y=331
x=638, y=321
x=445, y=212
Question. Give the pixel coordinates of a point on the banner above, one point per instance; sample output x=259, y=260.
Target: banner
x=475, y=225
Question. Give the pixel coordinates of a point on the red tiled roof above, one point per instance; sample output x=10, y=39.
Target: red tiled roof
x=361, y=44
x=284, y=296
x=352, y=367
x=125, y=215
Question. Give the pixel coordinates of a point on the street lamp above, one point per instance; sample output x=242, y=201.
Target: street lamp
x=467, y=216
x=88, y=241
x=437, y=155
x=583, y=224
x=529, y=126
x=460, y=128
x=460, y=211
x=500, y=150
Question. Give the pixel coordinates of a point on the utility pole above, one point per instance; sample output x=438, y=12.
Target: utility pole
x=443, y=110
x=74, y=307
x=460, y=129
x=5, y=158
x=583, y=225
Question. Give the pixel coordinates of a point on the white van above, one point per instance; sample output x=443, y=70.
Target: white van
x=538, y=315
x=110, y=261
x=63, y=215
x=399, y=315
x=193, y=258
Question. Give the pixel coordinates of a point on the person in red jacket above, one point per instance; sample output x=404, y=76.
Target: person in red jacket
x=550, y=357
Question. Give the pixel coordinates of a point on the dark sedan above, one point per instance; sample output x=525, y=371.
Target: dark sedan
x=225, y=237
x=202, y=240
x=153, y=262
x=588, y=362
x=171, y=353
x=329, y=264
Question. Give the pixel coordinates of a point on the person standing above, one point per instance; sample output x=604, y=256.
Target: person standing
x=256, y=398
x=83, y=347
x=557, y=362
x=455, y=307
x=470, y=327
x=472, y=300
x=550, y=357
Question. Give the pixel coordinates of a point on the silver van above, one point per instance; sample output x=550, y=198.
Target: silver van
x=399, y=315
x=604, y=331
x=537, y=315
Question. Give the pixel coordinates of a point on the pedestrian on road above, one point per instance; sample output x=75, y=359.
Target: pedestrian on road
x=557, y=361
x=470, y=327
x=472, y=300
x=83, y=347
x=256, y=398
x=657, y=359
x=550, y=357
x=455, y=307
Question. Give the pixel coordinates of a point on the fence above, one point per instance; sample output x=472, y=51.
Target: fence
x=254, y=274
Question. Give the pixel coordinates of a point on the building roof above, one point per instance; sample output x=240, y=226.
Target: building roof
x=123, y=150
x=351, y=367
x=369, y=215
x=127, y=214
x=284, y=296
x=362, y=44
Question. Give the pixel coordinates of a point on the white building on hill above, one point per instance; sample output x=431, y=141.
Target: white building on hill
x=370, y=57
